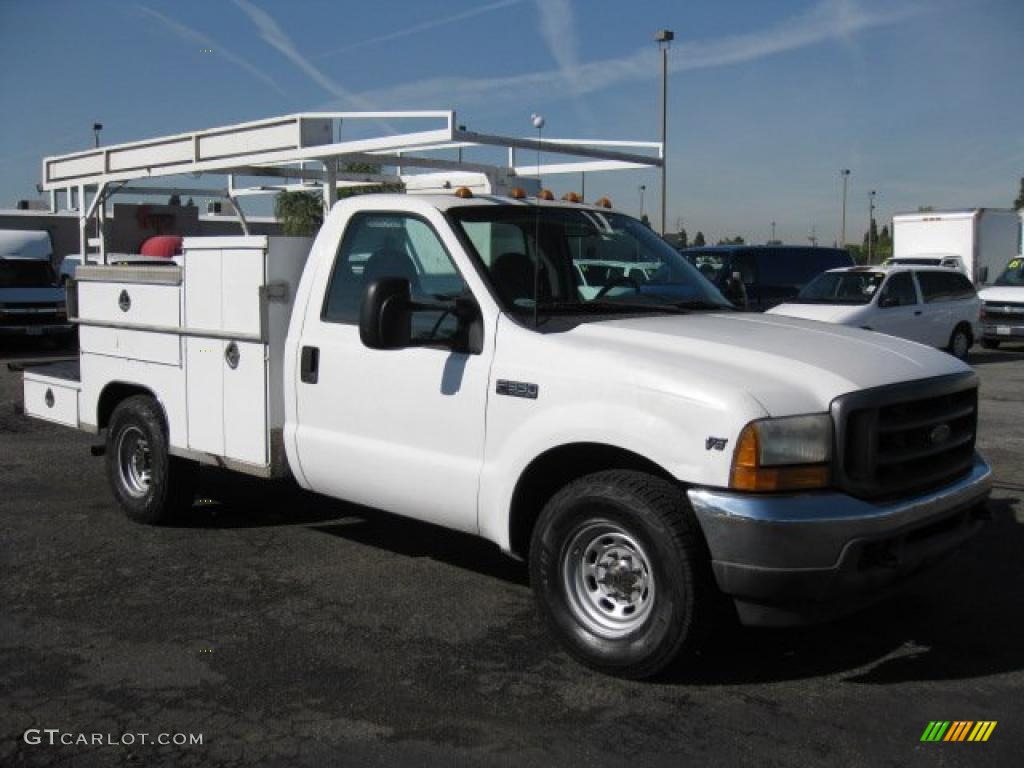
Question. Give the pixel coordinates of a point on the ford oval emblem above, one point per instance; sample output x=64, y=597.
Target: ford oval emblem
x=939, y=434
x=124, y=301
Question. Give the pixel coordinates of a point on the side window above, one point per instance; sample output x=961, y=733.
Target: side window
x=898, y=291
x=377, y=245
x=944, y=286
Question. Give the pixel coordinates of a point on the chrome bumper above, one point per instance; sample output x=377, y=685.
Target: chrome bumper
x=804, y=557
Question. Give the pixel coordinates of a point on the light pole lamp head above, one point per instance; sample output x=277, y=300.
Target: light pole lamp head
x=97, y=126
x=664, y=36
x=845, y=171
x=537, y=121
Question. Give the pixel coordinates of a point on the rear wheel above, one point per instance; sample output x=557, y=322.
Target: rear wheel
x=150, y=485
x=960, y=342
x=621, y=574
x=990, y=343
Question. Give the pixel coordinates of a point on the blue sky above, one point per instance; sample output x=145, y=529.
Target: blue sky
x=921, y=99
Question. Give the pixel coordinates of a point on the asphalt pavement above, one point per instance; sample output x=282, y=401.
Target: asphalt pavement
x=288, y=629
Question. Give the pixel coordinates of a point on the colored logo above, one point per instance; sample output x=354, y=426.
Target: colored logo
x=958, y=730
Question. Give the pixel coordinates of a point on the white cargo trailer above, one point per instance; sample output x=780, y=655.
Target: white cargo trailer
x=978, y=241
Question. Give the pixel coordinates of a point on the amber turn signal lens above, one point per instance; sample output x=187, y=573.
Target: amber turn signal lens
x=748, y=475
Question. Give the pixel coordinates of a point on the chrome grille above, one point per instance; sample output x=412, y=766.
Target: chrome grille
x=898, y=440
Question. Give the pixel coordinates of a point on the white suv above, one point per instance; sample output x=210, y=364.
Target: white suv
x=930, y=305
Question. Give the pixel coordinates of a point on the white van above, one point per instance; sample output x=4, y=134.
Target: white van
x=930, y=305
x=31, y=303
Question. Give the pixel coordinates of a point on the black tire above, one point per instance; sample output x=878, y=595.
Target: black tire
x=990, y=343
x=960, y=342
x=151, y=486
x=673, y=596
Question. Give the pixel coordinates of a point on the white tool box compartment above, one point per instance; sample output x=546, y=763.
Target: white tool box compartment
x=52, y=399
x=237, y=298
x=130, y=304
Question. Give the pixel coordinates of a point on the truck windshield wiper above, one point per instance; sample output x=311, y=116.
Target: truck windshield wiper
x=606, y=306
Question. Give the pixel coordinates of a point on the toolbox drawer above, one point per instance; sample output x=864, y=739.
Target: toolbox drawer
x=47, y=399
x=133, y=304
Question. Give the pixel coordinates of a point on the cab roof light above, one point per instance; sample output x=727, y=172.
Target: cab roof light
x=572, y=197
x=603, y=202
x=517, y=193
x=545, y=194
x=464, y=192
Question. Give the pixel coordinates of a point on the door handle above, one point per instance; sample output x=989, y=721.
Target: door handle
x=309, y=369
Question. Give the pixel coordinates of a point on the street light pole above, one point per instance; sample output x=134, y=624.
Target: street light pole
x=773, y=233
x=642, y=188
x=845, y=173
x=871, y=219
x=664, y=38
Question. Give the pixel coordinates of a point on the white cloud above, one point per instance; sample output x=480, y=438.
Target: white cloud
x=424, y=26
x=276, y=37
x=828, y=20
x=205, y=41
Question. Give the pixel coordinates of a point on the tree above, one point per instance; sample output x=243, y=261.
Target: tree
x=699, y=240
x=300, y=213
x=684, y=240
x=731, y=240
x=1018, y=204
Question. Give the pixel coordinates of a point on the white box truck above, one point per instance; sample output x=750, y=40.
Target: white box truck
x=647, y=449
x=977, y=241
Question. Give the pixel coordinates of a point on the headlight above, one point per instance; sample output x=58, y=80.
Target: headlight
x=792, y=453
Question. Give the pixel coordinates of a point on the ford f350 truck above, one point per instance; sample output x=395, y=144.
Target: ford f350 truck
x=649, y=451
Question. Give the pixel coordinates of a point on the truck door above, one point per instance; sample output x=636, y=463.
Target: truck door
x=401, y=430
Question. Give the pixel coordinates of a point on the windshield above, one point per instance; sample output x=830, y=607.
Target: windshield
x=588, y=261
x=1013, y=275
x=841, y=288
x=25, y=273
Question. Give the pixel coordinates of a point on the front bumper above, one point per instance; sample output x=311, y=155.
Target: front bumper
x=793, y=559
x=1002, y=331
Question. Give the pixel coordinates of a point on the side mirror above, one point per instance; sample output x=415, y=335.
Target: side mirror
x=735, y=290
x=385, y=318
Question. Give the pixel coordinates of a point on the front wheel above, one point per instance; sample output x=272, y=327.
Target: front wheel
x=621, y=574
x=151, y=486
x=960, y=342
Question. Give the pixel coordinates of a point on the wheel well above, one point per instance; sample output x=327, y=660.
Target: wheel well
x=556, y=468
x=113, y=394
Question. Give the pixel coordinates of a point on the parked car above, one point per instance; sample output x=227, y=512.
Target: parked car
x=757, y=277
x=930, y=305
x=31, y=302
x=1002, y=309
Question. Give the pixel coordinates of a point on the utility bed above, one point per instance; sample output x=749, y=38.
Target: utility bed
x=204, y=333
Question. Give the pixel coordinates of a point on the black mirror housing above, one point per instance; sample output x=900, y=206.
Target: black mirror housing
x=385, y=317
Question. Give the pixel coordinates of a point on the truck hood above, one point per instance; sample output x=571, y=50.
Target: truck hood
x=997, y=293
x=32, y=295
x=787, y=365
x=825, y=313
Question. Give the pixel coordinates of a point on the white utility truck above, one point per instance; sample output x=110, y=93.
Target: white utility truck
x=652, y=453
x=977, y=241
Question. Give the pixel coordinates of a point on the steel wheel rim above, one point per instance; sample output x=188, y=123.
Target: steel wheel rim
x=959, y=343
x=608, y=579
x=134, y=461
